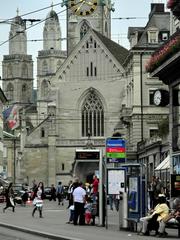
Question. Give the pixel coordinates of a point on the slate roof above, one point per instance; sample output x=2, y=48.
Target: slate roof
x=119, y=52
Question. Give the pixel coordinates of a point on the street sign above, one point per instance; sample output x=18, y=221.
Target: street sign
x=115, y=150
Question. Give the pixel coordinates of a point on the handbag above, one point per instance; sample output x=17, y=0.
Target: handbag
x=11, y=201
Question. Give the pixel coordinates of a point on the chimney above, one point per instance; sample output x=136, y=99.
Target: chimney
x=157, y=7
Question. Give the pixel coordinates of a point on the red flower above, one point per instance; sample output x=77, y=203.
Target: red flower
x=164, y=52
x=171, y=3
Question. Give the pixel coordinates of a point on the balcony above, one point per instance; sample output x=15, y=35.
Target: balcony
x=174, y=6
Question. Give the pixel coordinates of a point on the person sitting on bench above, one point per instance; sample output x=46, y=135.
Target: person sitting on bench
x=173, y=217
x=152, y=221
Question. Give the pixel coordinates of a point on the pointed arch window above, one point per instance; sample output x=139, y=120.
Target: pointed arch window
x=44, y=89
x=24, y=92
x=84, y=29
x=92, y=114
x=24, y=71
x=45, y=68
x=9, y=71
x=42, y=132
x=10, y=92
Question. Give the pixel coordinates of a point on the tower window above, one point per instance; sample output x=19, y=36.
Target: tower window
x=92, y=114
x=87, y=71
x=95, y=71
x=10, y=92
x=42, y=132
x=91, y=69
x=62, y=167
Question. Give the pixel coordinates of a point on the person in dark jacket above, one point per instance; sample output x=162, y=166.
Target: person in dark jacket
x=9, y=195
x=53, y=193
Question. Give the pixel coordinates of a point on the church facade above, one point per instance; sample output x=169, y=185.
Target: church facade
x=81, y=93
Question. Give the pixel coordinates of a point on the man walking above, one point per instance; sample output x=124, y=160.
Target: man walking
x=59, y=193
x=79, y=195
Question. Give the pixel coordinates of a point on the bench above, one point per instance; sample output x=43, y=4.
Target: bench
x=133, y=224
x=175, y=225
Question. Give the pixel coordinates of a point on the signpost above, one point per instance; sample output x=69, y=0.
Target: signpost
x=115, y=150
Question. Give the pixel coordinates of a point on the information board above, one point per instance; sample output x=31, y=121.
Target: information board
x=89, y=154
x=115, y=150
x=115, y=181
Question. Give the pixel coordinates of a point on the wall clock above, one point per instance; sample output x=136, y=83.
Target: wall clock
x=161, y=97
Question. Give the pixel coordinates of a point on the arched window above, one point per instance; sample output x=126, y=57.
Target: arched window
x=84, y=29
x=24, y=71
x=92, y=116
x=45, y=68
x=9, y=71
x=42, y=132
x=44, y=89
x=24, y=92
x=10, y=92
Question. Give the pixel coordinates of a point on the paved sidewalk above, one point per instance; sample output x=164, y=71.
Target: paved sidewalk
x=54, y=226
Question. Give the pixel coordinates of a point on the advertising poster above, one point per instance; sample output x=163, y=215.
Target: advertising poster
x=115, y=181
x=133, y=194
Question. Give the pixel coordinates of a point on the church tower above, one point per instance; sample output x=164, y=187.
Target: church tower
x=17, y=67
x=49, y=61
x=82, y=14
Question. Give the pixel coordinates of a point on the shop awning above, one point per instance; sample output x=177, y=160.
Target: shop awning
x=164, y=165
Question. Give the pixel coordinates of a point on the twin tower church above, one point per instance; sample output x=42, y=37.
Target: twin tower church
x=79, y=92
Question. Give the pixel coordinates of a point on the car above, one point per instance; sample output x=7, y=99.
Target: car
x=47, y=192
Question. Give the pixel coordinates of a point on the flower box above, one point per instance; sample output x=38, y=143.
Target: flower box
x=164, y=53
x=174, y=5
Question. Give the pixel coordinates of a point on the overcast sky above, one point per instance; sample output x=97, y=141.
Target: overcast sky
x=138, y=9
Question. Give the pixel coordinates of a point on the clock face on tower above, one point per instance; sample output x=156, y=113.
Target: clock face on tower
x=83, y=7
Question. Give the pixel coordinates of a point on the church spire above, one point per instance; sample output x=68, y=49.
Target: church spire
x=52, y=32
x=17, y=36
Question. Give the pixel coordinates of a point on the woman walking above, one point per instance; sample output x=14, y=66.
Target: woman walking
x=9, y=195
x=38, y=199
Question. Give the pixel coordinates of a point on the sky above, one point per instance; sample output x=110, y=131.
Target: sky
x=136, y=9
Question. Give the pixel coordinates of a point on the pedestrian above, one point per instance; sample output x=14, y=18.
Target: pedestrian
x=95, y=185
x=9, y=195
x=25, y=197
x=152, y=222
x=79, y=198
x=88, y=210
x=53, y=193
x=38, y=199
x=60, y=193
x=71, y=214
x=70, y=196
x=151, y=191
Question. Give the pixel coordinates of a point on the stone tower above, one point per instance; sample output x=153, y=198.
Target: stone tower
x=82, y=14
x=49, y=61
x=17, y=67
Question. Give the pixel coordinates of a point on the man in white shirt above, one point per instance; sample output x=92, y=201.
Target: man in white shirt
x=79, y=195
